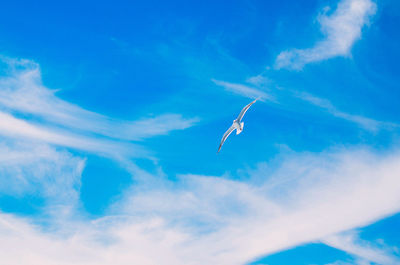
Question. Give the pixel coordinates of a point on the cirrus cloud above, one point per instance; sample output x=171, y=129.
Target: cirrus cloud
x=341, y=30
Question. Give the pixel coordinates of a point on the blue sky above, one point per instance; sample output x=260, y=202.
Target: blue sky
x=111, y=115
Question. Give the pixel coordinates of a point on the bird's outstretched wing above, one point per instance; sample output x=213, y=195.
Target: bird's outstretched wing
x=241, y=114
x=226, y=134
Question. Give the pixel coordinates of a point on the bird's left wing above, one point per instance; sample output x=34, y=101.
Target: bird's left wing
x=241, y=114
x=226, y=134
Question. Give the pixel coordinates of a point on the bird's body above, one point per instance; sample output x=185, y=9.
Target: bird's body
x=236, y=125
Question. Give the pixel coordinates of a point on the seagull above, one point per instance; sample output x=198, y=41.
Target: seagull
x=237, y=124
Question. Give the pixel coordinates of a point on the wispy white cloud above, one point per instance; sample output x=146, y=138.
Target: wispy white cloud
x=14, y=128
x=40, y=170
x=243, y=90
x=233, y=222
x=258, y=80
x=341, y=29
x=212, y=220
x=254, y=92
x=29, y=111
x=159, y=125
x=366, y=251
x=37, y=128
x=21, y=90
x=364, y=122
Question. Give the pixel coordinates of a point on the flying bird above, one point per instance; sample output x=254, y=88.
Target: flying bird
x=237, y=124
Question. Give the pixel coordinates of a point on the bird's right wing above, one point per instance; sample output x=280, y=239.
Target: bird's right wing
x=241, y=114
x=226, y=134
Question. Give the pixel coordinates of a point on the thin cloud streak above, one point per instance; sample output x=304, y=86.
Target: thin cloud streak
x=159, y=125
x=19, y=129
x=242, y=90
x=341, y=30
x=364, y=122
